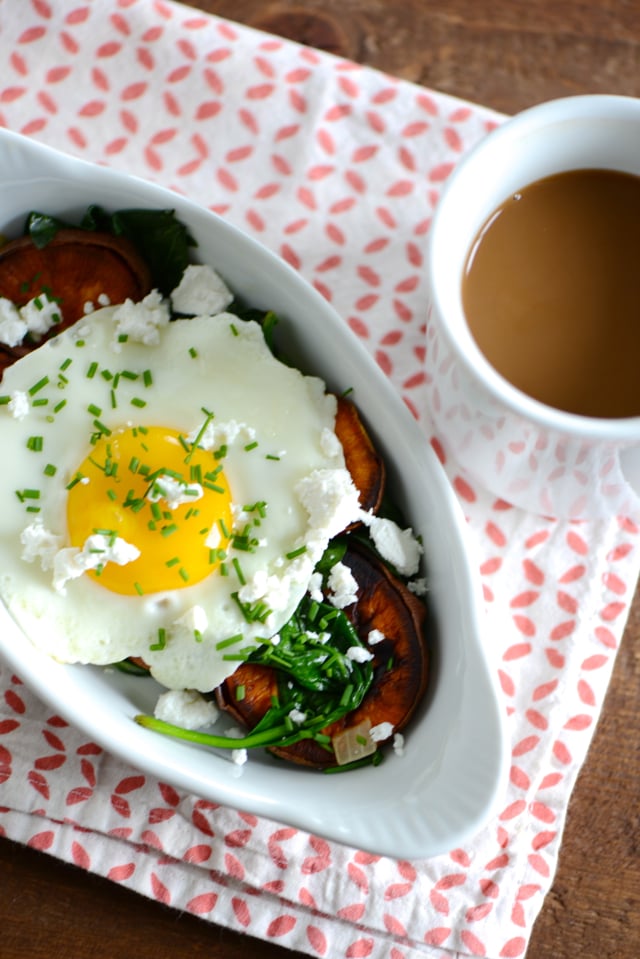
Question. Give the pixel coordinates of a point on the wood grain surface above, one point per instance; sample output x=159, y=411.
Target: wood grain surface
x=506, y=54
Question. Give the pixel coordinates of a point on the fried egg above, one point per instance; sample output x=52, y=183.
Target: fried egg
x=165, y=499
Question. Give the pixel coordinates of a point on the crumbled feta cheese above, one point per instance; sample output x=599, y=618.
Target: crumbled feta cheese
x=398, y=546
x=297, y=716
x=381, y=732
x=40, y=314
x=141, y=322
x=222, y=434
x=342, y=585
x=398, y=744
x=186, y=708
x=39, y=543
x=330, y=498
x=201, y=292
x=358, y=654
x=375, y=637
x=104, y=299
x=98, y=549
x=329, y=443
x=13, y=328
x=18, y=405
x=419, y=587
x=174, y=492
x=239, y=756
x=37, y=317
x=315, y=587
x=88, y=307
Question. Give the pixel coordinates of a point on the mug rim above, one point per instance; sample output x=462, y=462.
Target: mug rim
x=603, y=106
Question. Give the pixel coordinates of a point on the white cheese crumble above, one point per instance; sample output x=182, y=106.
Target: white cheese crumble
x=98, y=549
x=358, y=654
x=375, y=636
x=175, y=492
x=239, y=756
x=398, y=744
x=216, y=435
x=37, y=316
x=398, y=546
x=13, y=328
x=141, y=322
x=201, y=292
x=315, y=587
x=186, y=708
x=381, y=732
x=329, y=442
x=19, y=405
x=330, y=498
x=419, y=587
x=297, y=716
x=342, y=585
x=39, y=543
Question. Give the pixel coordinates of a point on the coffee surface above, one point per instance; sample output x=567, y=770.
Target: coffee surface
x=551, y=291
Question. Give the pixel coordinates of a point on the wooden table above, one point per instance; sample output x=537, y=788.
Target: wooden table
x=507, y=54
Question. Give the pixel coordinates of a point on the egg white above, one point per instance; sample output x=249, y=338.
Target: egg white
x=218, y=363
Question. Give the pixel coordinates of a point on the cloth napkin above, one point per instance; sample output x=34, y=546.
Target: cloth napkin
x=337, y=168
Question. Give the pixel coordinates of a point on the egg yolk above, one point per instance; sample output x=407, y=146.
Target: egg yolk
x=153, y=489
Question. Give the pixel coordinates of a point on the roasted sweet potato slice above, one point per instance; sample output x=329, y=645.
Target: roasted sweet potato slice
x=384, y=603
x=361, y=457
x=74, y=268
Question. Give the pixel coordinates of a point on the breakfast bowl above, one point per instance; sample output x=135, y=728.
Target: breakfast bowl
x=447, y=780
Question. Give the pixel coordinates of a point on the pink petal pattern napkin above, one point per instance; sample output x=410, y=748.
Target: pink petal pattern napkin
x=337, y=168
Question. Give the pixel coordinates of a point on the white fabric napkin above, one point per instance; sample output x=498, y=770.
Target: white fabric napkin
x=337, y=168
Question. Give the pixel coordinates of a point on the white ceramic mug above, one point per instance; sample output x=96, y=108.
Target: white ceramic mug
x=532, y=455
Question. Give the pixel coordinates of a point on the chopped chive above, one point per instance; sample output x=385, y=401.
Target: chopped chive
x=106, y=375
x=221, y=452
x=38, y=386
x=183, y=574
x=234, y=329
x=50, y=470
x=193, y=352
x=59, y=406
x=173, y=561
x=296, y=552
x=32, y=509
x=4, y=399
x=271, y=456
x=134, y=463
x=138, y=588
x=156, y=512
x=76, y=479
x=66, y=364
x=168, y=530
x=94, y=410
x=79, y=343
x=231, y=641
x=112, y=397
x=35, y=444
x=93, y=369
x=251, y=446
x=224, y=569
x=42, y=401
x=136, y=401
x=111, y=493
x=162, y=640
x=123, y=337
x=236, y=565
x=240, y=693
x=211, y=486
x=104, y=430
x=147, y=378
x=223, y=528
